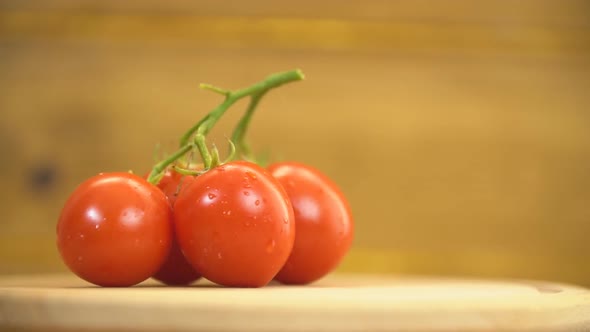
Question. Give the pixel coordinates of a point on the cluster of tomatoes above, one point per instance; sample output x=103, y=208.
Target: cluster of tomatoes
x=235, y=223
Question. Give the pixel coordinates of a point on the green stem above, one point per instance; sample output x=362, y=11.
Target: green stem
x=232, y=152
x=199, y=131
x=215, y=161
x=158, y=169
x=231, y=97
x=202, y=147
x=213, y=88
x=242, y=148
x=190, y=172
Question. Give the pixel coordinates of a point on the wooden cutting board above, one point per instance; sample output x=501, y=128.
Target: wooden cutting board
x=337, y=303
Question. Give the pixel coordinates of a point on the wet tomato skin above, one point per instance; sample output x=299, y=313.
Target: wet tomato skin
x=323, y=220
x=172, y=183
x=115, y=230
x=235, y=225
x=175, y=270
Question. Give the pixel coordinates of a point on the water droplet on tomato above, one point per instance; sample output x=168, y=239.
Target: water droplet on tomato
x=81, y=236
x=80, y=258
x=247, y=223
x=251, y=175
x=97, y=226
x=246, y=193
x=247, y=185
x=270, y=246
x=219, y=255
x=211, y=195
x=257, y=202
x=285, y=220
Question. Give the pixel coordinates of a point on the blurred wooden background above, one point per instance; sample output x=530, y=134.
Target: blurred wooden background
x=459, y=130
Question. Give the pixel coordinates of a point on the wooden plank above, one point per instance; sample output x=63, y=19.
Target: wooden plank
x=509, y=141
x=337, y=303
x=506, y=12
x=459, y=130
x=295, y=33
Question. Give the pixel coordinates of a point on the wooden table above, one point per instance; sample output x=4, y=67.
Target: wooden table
x=337, y=303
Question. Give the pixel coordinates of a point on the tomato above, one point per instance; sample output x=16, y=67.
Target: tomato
x=172, y=183
x=235, y=225
x=323, y=220
x=175, y=270
x=115, y=230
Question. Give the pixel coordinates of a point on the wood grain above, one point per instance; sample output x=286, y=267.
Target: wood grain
x=337, y=303
x=459, y=132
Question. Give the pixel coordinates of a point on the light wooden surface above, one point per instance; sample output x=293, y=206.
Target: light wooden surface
x=337, y=303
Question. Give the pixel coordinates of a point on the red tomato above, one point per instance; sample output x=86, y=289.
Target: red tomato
x=115, y=230
x=172, y=183
x=176, y=270
x=235, y=225
x=323, y=220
